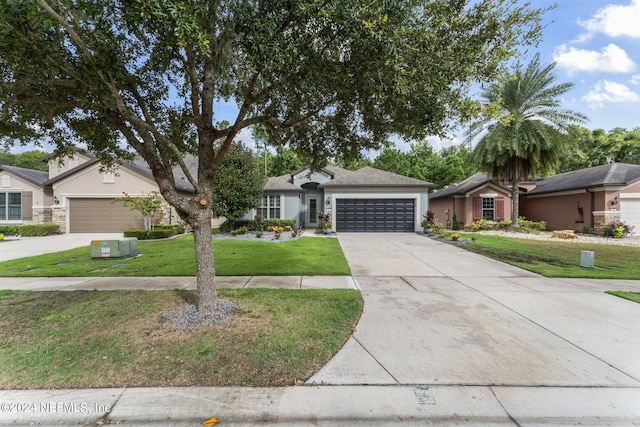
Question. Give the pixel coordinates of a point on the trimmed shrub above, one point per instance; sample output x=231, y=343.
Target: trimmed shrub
x=455, y=224
x=532, y=225
x=478, y=225
x=178, y=228
x=9, y=230
x=253, y=225
x=149, y=235
x=32, y=230
x=504, y=224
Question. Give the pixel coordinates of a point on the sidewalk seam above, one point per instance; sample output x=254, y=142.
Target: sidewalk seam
x=378, y=362
x=503, y=407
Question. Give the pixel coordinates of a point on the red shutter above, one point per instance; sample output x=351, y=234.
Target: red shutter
x=499, y=207
x=477, y=208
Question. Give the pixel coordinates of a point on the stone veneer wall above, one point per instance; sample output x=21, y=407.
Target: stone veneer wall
x=59, y=216
x=602, y=218
x=42, y=215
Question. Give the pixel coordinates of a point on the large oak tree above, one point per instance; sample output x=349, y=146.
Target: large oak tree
x=327, y=77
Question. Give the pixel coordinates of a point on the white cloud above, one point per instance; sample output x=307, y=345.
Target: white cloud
x=607, y=91
x=635, y=80
x=611, y=59
x=614, y=20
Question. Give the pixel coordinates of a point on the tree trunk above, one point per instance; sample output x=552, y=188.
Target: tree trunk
x=206, y=273
x=515, y=203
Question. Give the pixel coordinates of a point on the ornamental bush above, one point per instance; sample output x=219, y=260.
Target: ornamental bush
x=617, y=229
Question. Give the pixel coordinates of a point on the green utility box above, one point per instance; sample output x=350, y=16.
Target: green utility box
x=109, y=249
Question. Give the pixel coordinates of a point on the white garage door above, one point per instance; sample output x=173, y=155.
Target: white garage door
x=630, y=213
x=101, y=215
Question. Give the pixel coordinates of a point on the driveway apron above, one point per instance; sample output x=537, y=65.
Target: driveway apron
x=437, y=314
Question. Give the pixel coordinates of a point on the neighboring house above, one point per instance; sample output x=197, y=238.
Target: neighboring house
x=586, y=198
x=583, y=199
x=83, y=195
x=366, y=200
x=22, y=196
x=474, y=198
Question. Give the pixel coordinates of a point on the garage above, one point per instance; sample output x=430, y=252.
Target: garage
x=630, y=212
x=375, y=215
x=101, y=216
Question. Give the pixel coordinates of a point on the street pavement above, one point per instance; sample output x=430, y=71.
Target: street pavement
x=446, y=337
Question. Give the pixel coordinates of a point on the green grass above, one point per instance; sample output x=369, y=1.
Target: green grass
x=303, y=256
x=118, y=338
x=631, y=296
x=559, y=259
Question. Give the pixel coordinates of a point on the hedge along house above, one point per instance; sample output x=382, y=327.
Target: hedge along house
x=23, y=199
x=366, y=200
x=586, y=198
x=474, y=198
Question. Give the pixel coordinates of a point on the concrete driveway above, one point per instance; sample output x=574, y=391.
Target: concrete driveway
x=437, y=314
x=13, y=248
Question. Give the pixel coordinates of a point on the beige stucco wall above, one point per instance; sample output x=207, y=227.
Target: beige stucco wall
x=90, y=183
x=60, y=166
x=18, y=184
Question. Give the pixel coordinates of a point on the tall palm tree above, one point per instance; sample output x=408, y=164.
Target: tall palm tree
x=522, y=136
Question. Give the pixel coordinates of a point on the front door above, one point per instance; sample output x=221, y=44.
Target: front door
x=312, y=211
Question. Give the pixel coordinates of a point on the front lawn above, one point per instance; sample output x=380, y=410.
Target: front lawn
x=631, y=296
x=304, y=256
x=559, y=259
x=86, y=339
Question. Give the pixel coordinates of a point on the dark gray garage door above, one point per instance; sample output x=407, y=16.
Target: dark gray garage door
x=100, y=215
x=375, y=215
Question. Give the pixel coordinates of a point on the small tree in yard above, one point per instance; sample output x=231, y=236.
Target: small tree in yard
x=329, y=79
x=233, y=197
x=148, y=205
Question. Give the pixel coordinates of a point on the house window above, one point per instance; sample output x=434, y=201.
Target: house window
x=10, y=206
x=488, y=208
x=6, y=181
x=269, y=207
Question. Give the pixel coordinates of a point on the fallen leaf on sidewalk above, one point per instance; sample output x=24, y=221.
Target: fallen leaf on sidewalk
x=210, y=422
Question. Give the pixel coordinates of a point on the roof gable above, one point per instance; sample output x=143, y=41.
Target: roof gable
x=468, y=185
x=32, y=176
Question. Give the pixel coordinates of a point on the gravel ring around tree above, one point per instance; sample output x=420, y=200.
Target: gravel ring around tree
x=188, y=318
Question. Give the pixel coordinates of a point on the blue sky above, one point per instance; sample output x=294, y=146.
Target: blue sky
x=596, y=45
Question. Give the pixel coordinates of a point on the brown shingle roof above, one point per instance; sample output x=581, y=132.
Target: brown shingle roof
x=613, y=174
x=372, y=177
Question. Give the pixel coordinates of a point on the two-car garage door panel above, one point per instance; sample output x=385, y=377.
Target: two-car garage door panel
x=101, y=215
x=375, y=215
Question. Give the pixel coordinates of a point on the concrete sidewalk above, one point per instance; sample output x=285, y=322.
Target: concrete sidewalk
x=172, y=282
x=446, y=337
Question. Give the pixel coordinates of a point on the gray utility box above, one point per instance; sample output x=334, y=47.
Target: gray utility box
x=122, y=248
x=587, y=259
